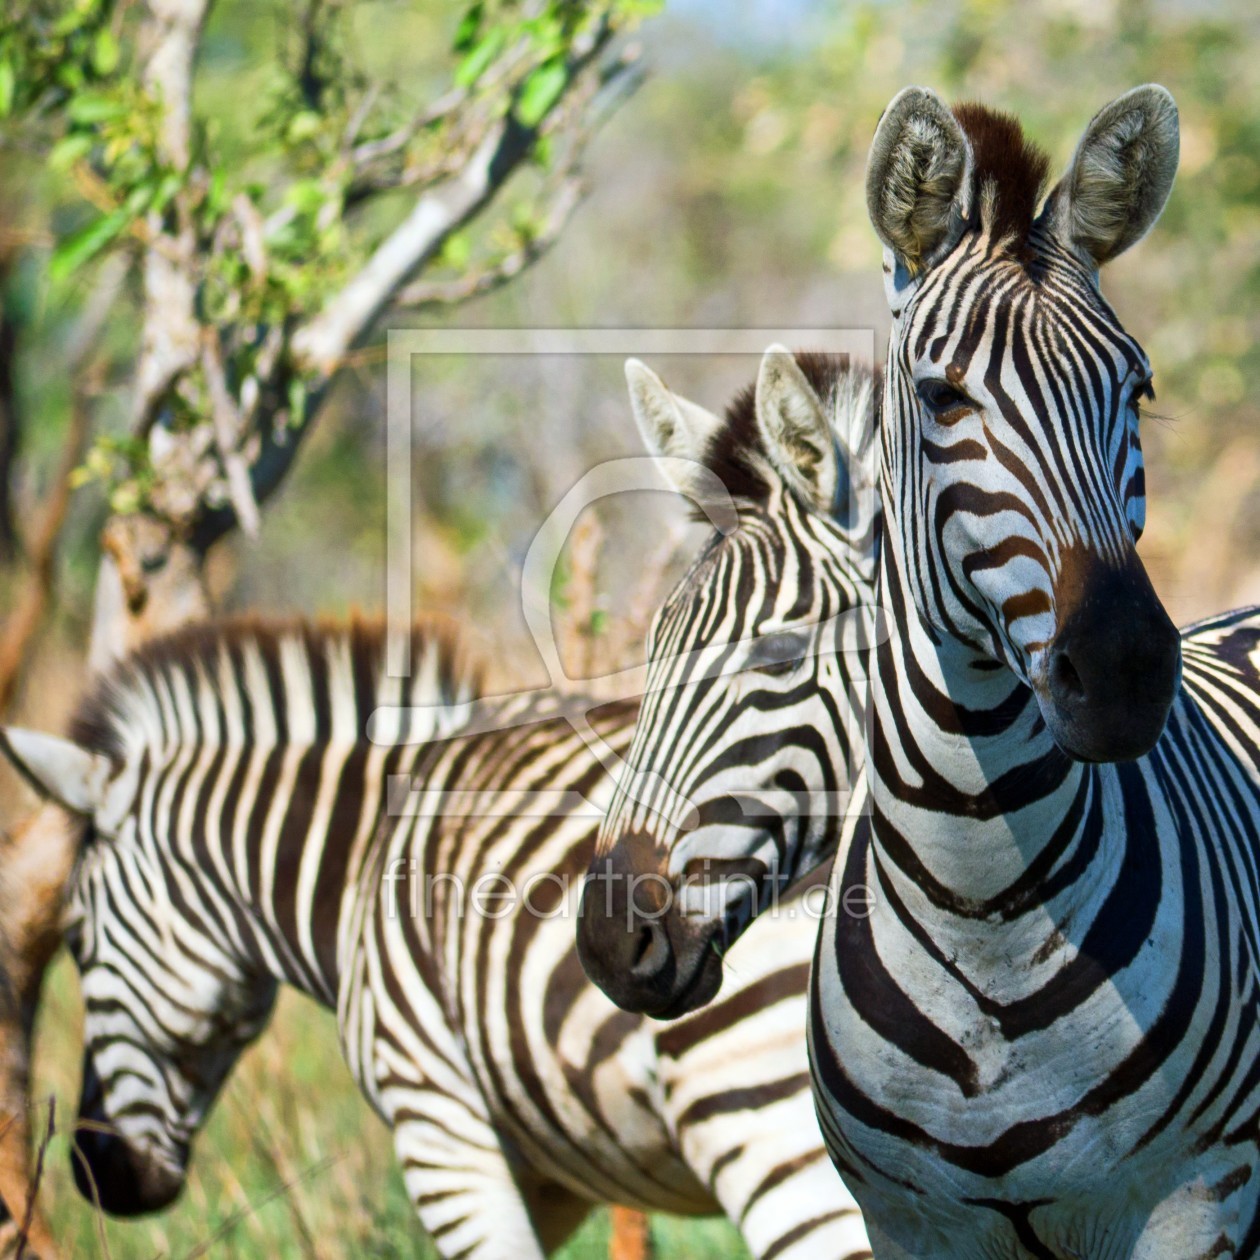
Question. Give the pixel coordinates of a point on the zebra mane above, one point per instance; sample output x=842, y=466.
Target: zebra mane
x=319, y=682
x=1010, y=171
x=849, y=393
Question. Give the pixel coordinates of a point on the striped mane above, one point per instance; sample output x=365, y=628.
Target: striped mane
x=1009, y=169
x=323, y=681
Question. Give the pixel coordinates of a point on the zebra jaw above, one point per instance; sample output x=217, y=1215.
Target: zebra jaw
x=57, y=768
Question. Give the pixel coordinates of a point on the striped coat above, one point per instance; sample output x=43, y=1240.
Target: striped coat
x=1045, y=1040
x=243, y=833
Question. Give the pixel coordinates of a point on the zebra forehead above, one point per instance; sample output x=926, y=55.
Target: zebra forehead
x=995, y=301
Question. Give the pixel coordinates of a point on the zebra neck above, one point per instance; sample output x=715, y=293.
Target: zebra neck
x=975, y=809
x=285, y=859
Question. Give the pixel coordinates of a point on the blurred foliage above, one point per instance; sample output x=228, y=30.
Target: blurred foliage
x=283, y=216
x=67, y=63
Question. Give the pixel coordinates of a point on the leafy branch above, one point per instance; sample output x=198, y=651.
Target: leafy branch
x=255, y=291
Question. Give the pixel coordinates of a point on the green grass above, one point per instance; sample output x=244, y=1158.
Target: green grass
x=293, y=1165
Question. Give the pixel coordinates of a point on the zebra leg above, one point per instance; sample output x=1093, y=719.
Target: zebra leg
x=463, y=1189
x=759, y=1149
x=789, y=1203
x=555, y=1211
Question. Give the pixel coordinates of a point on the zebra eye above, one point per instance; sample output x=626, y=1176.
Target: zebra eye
x=946, y=403
x=777, y=653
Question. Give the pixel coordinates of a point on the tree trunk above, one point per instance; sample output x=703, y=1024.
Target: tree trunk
x=10, y=420
x=33, y=866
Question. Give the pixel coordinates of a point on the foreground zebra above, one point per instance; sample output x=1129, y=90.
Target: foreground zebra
x=1043, y=1041
x=238, y=836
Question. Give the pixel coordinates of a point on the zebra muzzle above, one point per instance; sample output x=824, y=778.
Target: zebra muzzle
x=1113, y=669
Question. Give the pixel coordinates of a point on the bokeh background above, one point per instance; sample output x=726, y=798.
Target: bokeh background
x=728, y=192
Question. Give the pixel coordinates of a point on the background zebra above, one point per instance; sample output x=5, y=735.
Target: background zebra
x=1048, y=1021
x=746, y=764
x=747, y=760
x=238, y=835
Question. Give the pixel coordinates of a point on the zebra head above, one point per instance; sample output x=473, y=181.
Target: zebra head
x=736, y=781
x=166, y=1011
x=1012, y=475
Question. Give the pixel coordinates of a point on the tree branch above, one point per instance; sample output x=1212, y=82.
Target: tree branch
x=169, y=39
x=10, y=416
x=320, y=345
x=447, y=292
x=227, y=435
x=18, y=632
x=615, y=81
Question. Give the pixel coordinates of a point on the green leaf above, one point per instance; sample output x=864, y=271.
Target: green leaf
x=125, y=499
x=94, y=107
x=8, y=83
x=69, y=75
x=306, y=195
x=297, y=401
x=546, y=35
x=479, y=58
x=217, y=194
x=69, y=22
x=457, y=250
x=105, y=52
x=82, y=246
x=303, y=126
x=167, y=187
x=469, y=25
x=540, y=91
x=543, y=153
x=69, y=149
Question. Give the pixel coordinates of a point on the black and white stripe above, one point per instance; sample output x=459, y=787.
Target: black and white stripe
x=1043, y=1039
x=746, y=763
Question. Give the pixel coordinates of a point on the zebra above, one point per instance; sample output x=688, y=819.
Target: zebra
x=746, y=765
x=1039, y=1039
x=241, y=832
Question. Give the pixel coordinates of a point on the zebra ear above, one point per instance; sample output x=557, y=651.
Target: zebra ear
x=794, y=430
x=57, y=768
x=674, y=430
x=918, y=180
x=1120, y=176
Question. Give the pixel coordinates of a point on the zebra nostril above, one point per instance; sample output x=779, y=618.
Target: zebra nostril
x=651, y=952
x=1064, y=678
x=642, y=946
